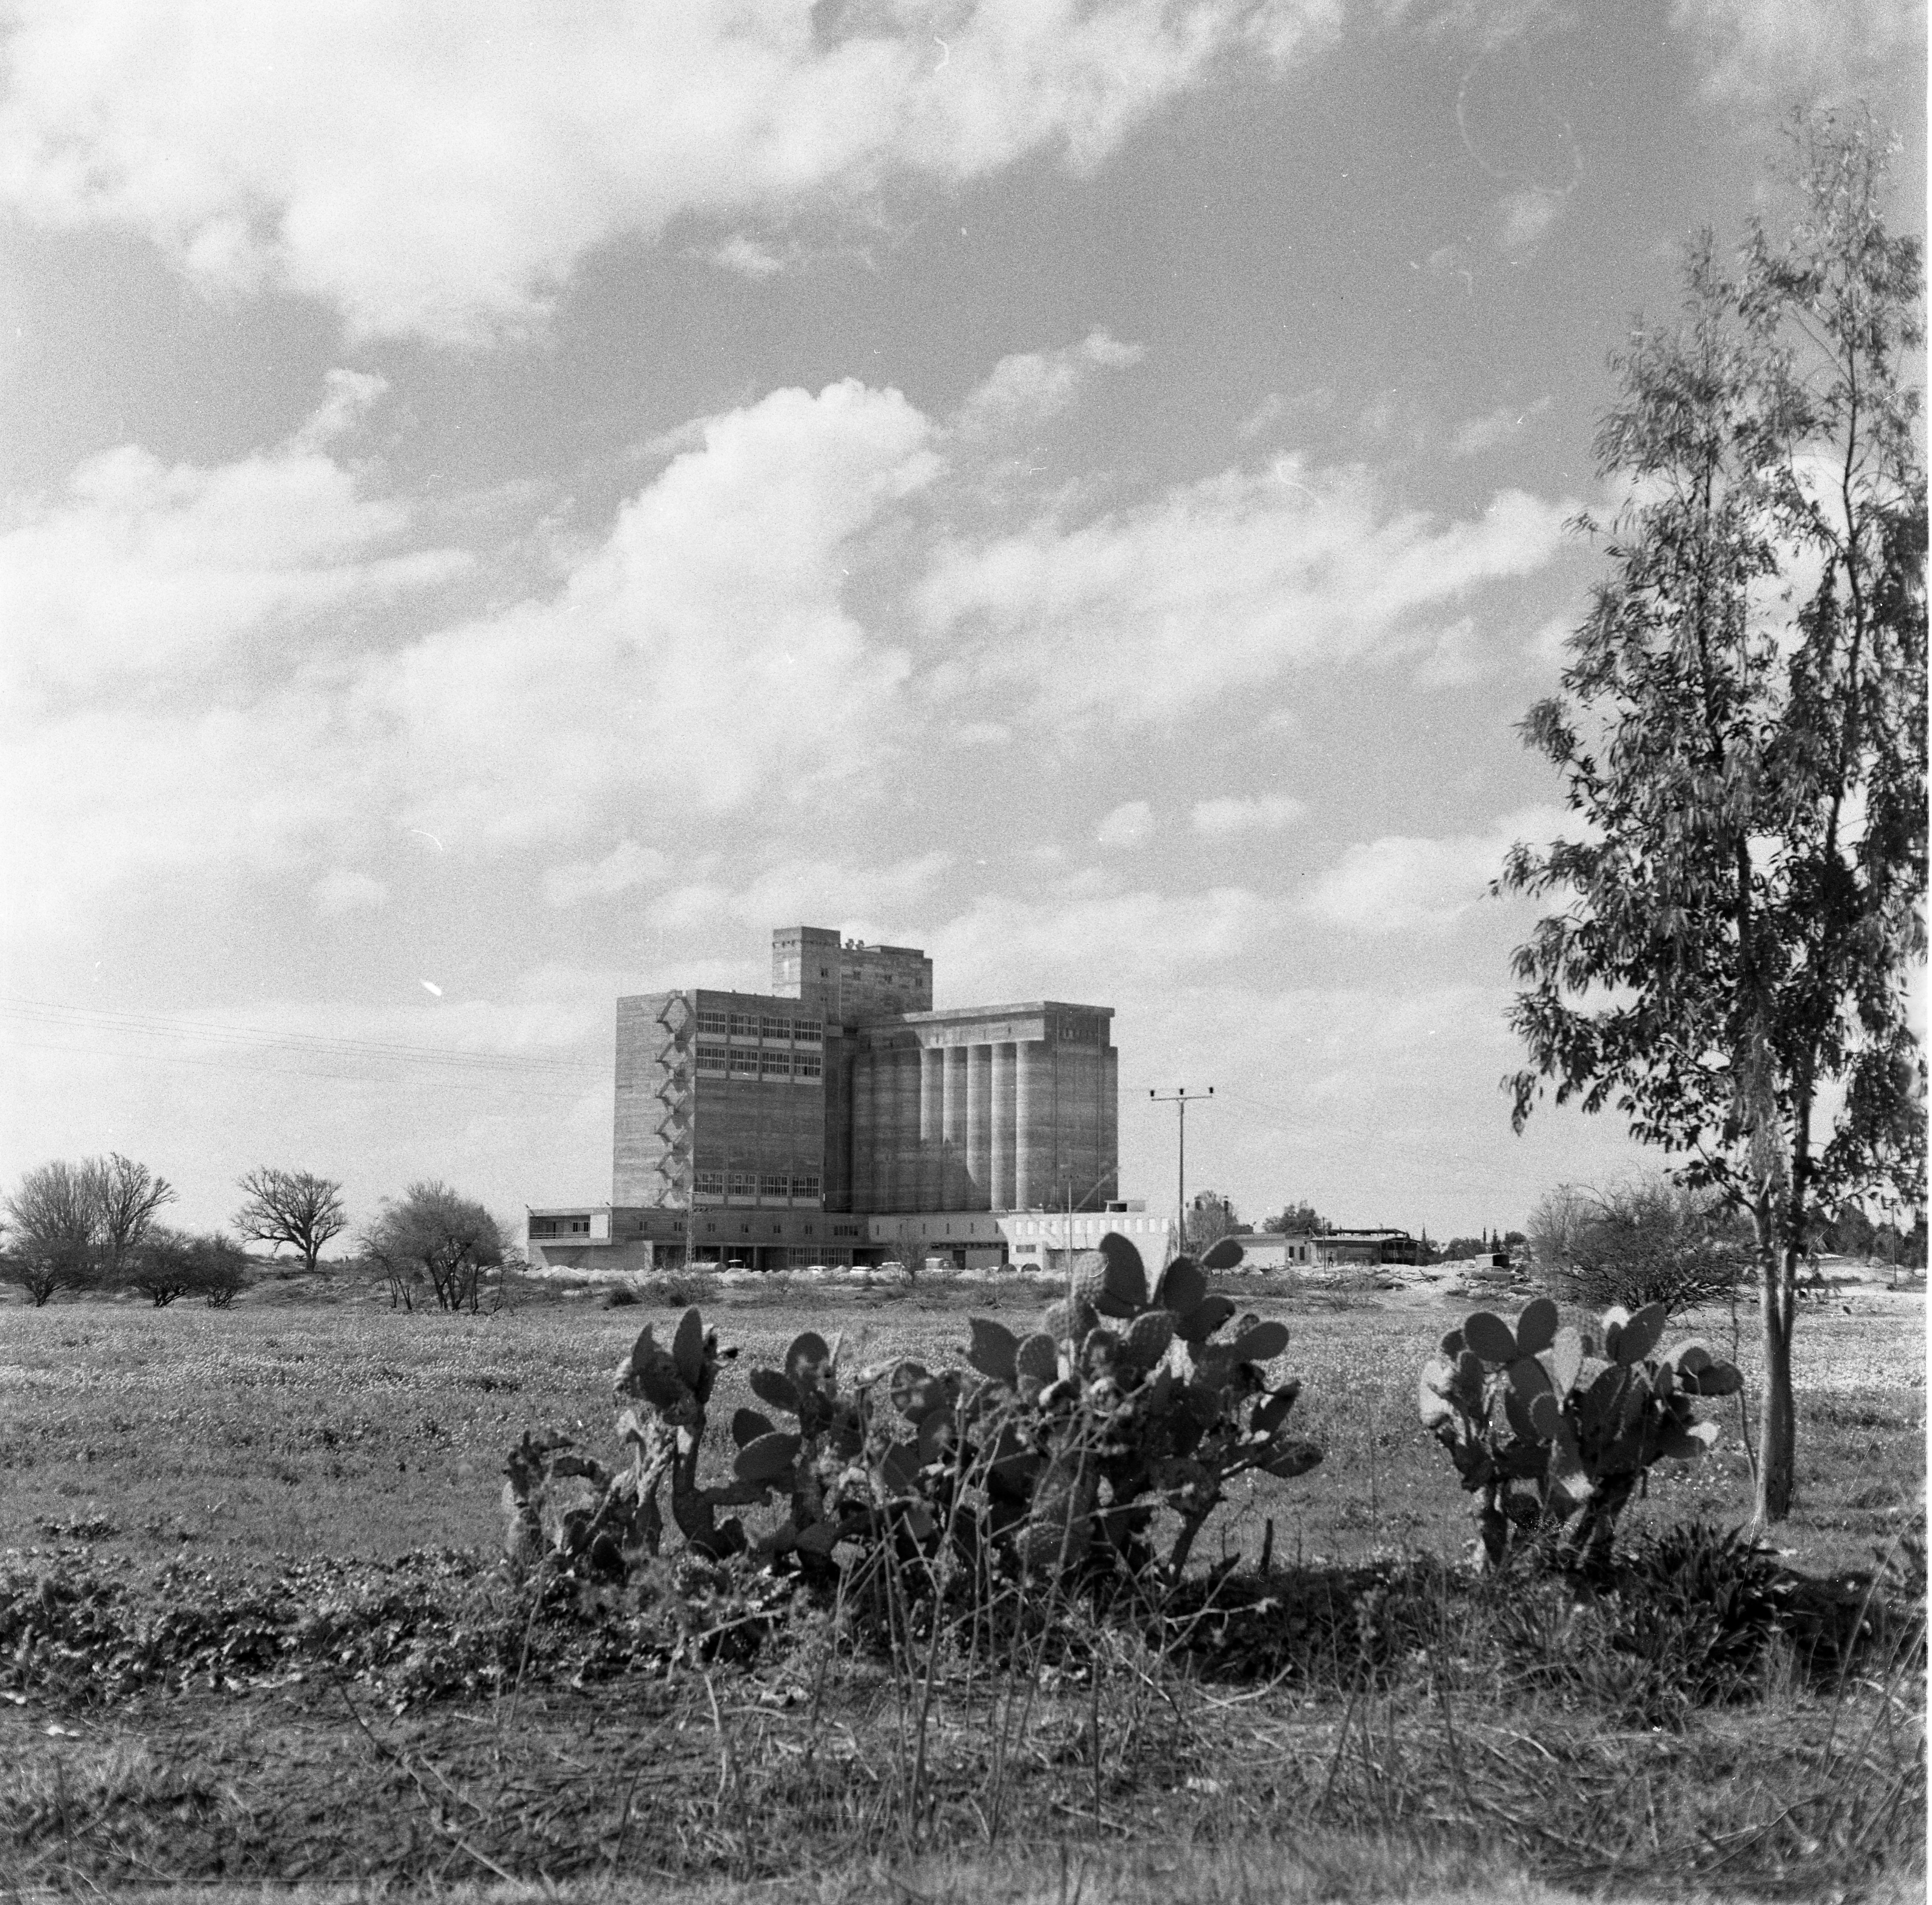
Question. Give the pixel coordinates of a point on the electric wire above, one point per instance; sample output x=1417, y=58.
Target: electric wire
x=154, y=1025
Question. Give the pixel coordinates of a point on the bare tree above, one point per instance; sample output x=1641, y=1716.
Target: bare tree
x=128, y=1194
x=54, y=1218
x=295, y=1207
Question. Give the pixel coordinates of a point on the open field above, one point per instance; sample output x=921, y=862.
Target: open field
x=349, y=1429
x=1361, y=1724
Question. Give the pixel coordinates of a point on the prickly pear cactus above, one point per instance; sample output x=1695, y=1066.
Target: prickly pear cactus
x=1123, y=1403
x=1554, y=1427
x=674, y=1385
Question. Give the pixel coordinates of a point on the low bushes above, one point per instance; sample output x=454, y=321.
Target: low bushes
x=1047, y=1458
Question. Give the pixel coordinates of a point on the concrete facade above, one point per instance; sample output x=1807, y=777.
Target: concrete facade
x=986, y=1108
x=744, y=1120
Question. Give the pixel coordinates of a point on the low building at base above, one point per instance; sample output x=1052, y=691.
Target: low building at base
x=636, y=1241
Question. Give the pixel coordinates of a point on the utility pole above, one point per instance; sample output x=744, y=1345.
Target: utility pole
x=1181, y=1098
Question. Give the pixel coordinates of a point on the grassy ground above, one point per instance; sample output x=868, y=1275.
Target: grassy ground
x=349, y=1430
x=1421, y=1761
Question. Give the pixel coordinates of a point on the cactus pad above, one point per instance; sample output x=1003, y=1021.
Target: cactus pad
x=1261, y=1344
x=687, y=1347
x=1182, y=1287
x=1127, y=1290
x=995, y=1350
x=1536, y=1327
x=1489, y=1337
x=767, y=1459
x=1148, y=1336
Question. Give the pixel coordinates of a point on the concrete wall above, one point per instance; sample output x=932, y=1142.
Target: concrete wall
x=985, y=1110
x=650, y=1145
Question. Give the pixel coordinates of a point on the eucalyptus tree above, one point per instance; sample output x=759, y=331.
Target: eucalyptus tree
x=1742, y=732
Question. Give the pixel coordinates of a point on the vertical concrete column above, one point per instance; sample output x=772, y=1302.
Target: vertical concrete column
x=1030, y=1085
x=979, y=1126
x=1110, y=1119
x=1004, y=1130
x=885, y=1112
x=865, y=1132
x=953, y=1129
x=905, y=1147
x=932, y=1123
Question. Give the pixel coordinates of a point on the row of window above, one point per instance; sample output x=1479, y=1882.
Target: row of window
x=756, y=1025
x=732, y=1061
x=762, y=1183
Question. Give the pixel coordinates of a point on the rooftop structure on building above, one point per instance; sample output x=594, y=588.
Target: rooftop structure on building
x=840, y=1117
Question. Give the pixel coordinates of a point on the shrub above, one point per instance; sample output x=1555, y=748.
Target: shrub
x=1048, y=1456
x=168, y=1264
x=1551, y=1429
x=1645, y=1241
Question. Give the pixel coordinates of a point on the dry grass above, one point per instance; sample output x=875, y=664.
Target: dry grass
x=348, y=1429
x=1119, y=1773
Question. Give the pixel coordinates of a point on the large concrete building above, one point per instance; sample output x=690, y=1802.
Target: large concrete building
x=783, y=1127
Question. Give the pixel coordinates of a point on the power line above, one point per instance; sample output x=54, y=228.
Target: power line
x=241, y=1061
x=157, y=1026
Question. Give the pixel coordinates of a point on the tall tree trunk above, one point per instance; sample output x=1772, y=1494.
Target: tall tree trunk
x=1777, y=1426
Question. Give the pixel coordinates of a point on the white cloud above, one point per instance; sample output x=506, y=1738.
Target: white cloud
x=1501, y=425
x=703, y=652
x=1525, y=219
x=1032, y=386
x=1453, y=656
x=627, y=865
x=1112, y=946
x=700, y=652
x=809, y=891
x=142, y=567
x=344, y=890
x=1757, y=51
x=1150, y=612
x=1261, y=813
x=1263, y=416
x=423, y=178
x=748, y=257
x=1403, y=882
x=1130, y=824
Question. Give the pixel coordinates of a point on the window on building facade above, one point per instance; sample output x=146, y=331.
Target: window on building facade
x=711, y=1183
x=806, y=1030
x=711, y=1058
x=771, y=1186
x=744, y=1025
x=775, y=1028
x=744, y=1064
x=804, y=1185
x=741, y=1183
x=717, y=1023
x=806, y=1065
x=774, y=1064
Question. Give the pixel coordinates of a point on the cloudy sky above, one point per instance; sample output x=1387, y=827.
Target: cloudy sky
x=506, y=503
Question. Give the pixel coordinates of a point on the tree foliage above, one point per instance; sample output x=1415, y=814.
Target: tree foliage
x=295, y=1207
x=72, y=1226
x=169, y=1263
x=1297, y=1220
x=433, y=1242
x=1742, y=731
x=1210, y=1216
x=1646, y=1240
x=52, y=1229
